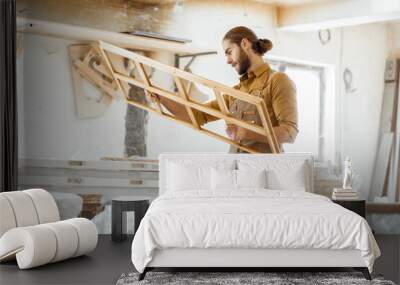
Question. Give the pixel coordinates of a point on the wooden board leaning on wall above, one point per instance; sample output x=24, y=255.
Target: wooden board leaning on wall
x=386, y=177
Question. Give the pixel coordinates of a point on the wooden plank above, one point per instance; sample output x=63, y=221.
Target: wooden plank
x=209, y=133
x=203, y=131
x=383, y=208
x=110, y=67
x=393, y=179
x=107, y=191
x=100, y=173
x=41, y=181
x=178, y=72
x=182, y=93
x=381, y=166
x=88, y=56
x=194, y=105
x=102, y=68
x=146, y=81
x=266, y=121
x=88, y=164
x=117, y=64
x=133, y=158
x=231, y=142
x=215, y=135
x=221, y=102
x=93, y=77
x=381, y=175
x=94, y=53
x=398, y=175
x=394, y=165
x=85, y=107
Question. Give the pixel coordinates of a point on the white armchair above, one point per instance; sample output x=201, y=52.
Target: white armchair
x=31, y=230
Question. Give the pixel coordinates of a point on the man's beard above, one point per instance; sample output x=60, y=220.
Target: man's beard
x=243, y=62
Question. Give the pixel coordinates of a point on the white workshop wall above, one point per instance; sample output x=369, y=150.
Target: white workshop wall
x=394, y=39
x=52, y=130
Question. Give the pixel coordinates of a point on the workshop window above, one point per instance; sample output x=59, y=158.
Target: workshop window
x=316, y=108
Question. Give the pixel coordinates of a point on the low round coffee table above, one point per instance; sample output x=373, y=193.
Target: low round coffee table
x=123, y=204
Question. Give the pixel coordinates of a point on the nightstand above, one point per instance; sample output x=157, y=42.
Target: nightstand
x=357, y=206
x=123, y=204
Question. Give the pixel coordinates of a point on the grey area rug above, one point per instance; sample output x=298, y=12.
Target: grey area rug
x=233, y=278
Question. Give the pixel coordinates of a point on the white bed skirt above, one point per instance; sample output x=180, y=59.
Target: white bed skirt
x=193, y=257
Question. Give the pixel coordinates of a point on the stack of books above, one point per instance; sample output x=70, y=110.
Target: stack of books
x=344, y=194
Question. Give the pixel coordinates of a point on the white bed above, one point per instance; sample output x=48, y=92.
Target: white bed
x=193, y=225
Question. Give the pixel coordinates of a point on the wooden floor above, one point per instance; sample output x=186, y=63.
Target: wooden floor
x=111, y=259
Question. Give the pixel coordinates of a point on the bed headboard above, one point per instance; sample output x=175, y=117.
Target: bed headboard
x=166, y=158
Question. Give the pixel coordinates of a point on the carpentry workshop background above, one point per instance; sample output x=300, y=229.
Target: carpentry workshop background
x=82, y=140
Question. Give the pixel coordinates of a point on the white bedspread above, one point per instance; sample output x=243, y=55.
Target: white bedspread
x=256, y=218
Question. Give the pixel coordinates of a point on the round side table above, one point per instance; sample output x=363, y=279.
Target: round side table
x=123, y=204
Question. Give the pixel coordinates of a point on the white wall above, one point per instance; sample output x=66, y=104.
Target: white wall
x=53, y=130
x=394, y=39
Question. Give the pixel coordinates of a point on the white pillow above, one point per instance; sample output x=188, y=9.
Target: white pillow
x=225, y=179
x=282, y=174
x=190, y=176
x=294, y=179
x=251, y=178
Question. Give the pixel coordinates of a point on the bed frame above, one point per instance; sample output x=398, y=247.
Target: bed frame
x=247, y=259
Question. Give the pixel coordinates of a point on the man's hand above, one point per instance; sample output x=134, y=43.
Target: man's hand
x=151, y=97
x=237, y=133
x=174, y=108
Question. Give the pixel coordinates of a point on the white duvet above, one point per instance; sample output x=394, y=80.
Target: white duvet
x=253, y=218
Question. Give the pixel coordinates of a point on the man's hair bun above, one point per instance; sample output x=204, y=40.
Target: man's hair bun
x=261, y=46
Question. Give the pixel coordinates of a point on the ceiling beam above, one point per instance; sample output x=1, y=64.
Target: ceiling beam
x=334, y=14
x=86, y=34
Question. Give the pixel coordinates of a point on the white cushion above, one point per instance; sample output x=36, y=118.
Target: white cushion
x=67, y=239
x=23, y=208
x=226, y=179
x=184, y=175
x=32, y=246
x=251, y=178
x=87, y=233
x=26, y=208
x=223, y=179
x=282, y=174
x=46, y=207
x=7, y=218
x=294, y=179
